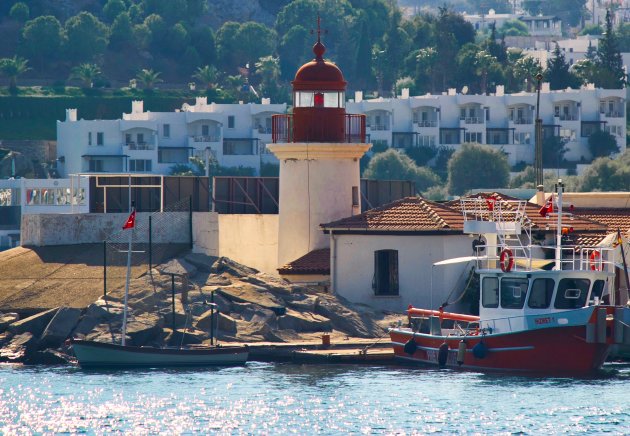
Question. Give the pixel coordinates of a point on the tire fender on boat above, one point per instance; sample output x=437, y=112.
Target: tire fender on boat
x=461, y=352
x=410, y=347
x=443, y=354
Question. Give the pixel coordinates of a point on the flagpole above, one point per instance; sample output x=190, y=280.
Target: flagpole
x=560, y=188
x=124, y=326
x=625, y=265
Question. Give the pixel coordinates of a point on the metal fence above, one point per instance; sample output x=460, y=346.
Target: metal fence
x=154, y=239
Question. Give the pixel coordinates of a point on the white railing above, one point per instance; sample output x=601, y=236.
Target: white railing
x=140, y=146
x=613, y=114
x=472, y=120
x=522, y=121
x=567, y=117
x=206, y=138
x=426, y=123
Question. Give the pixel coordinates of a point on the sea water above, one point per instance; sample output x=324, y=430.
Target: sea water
x=264, y=398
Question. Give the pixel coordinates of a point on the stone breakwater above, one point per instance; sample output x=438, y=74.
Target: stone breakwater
x=250, y=307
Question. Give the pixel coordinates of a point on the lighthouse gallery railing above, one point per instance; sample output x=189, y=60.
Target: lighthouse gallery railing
x=283, y=129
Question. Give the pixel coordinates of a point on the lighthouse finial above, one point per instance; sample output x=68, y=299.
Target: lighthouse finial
x=319, y=49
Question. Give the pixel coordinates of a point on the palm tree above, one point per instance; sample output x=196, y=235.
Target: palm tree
x=13, y=68
x=149, y=78
x=268, y=68
x=484, y=62
x=585, y=70
x=526, y=69
x=207, y=75
x=86, y=73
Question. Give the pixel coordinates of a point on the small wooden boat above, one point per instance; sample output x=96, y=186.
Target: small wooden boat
x=91, y=354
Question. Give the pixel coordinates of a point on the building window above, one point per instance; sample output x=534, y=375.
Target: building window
x=96, y=166
x=100, y=138
x=385, y=280
x=140, y=137
x=231, y=121
x=166, y=130
x=139, y=165
x=522, y=138
x=239, y=147
x=89, y=138
x=128, y=138
x=205, y=130
x=472, y=137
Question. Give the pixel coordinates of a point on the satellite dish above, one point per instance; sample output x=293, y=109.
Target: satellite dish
x=185, y=107
x=465, y=90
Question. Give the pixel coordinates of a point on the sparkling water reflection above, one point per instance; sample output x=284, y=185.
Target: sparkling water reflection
x=265, y=398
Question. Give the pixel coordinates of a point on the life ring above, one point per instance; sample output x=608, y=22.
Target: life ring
x=594, y=259
x=506, y=260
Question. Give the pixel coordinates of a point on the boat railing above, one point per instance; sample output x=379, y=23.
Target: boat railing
x=573, y=258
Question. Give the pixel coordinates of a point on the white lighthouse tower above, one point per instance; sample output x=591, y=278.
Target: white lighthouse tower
x=319, y=147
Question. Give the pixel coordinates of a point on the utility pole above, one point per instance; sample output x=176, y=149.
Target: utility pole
x=538, y=166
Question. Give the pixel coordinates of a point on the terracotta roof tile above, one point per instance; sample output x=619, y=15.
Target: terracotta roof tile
x=409, y=213
x=314, y=262
x=587, y=239
x=611, y=217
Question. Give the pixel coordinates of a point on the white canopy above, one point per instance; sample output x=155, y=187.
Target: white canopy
x=455, y=260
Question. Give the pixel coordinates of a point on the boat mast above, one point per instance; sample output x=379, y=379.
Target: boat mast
x=559, y=189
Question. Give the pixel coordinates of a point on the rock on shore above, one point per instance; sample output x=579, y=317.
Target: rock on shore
x=237, y=303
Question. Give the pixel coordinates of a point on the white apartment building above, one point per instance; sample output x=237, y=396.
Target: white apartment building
x=505, y=121
x=539, y=25
x=153, y=142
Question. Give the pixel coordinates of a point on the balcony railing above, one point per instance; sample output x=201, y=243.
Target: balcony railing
x=263, y=130
x=472, y=120
x=284, y=130
x=376, y=127
x=206, y=138
x=426, y=123
x=613, y=114
x=140, y=146
x=567, y=117
x=522, y=121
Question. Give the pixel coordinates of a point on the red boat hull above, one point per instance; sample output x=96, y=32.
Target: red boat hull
x=554, y=350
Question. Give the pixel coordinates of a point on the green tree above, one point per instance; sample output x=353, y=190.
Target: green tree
x=112, y=9
x=12, y=68
x=585, y=71
x=513, y=28
x=158, y=31
x=477, y=166
x=268, y=69
x=484, y=64
x=422, y=154
x=202, y=39
x=611, y=74
x=121, y=31
x=294, y=51
x=525, y=71
x=592, y=29
x=572, y=12
x=86, y=73
x=149, y=78
x=207, y=75
x=623, y=37
x=427, y=60
x=87, y=36
x=176, y=40
x=606, y=174
x=42, y=39
x=451, y=32
x=557, y=72
x=553, y=150
x=240, y=44
x=602, y=144
x=393, y=165
x=396, y=43
x=20, y=12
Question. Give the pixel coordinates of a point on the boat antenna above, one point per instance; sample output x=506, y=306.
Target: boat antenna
x=559, y=189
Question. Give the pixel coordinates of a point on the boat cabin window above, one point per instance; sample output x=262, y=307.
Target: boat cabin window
x=541, y=293
x=490, y=292
x=513, y=292
x=598, y=290
x=572, y=293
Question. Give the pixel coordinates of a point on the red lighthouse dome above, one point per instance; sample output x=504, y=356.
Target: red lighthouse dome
x=319, y=105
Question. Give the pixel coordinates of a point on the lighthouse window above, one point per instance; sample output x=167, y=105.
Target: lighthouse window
x=490, y=292
x=319, y=99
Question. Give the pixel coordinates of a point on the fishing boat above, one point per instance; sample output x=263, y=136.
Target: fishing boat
x=531, y=318
x=94, y=354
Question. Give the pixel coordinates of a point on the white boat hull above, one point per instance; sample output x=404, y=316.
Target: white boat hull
x=92, y=354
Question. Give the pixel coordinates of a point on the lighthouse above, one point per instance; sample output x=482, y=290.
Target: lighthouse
x=319, y=147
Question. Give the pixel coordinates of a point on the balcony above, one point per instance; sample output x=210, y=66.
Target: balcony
x=568, y=117
x=472, y=120
x=318, y=130
x=613, y=114
x=522, y=121
x=206, y=138
x=140, y=146
x=427, y=123
x=377, y=127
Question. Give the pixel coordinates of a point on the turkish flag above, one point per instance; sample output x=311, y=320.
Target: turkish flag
x=131, y=221
x=547, y=208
